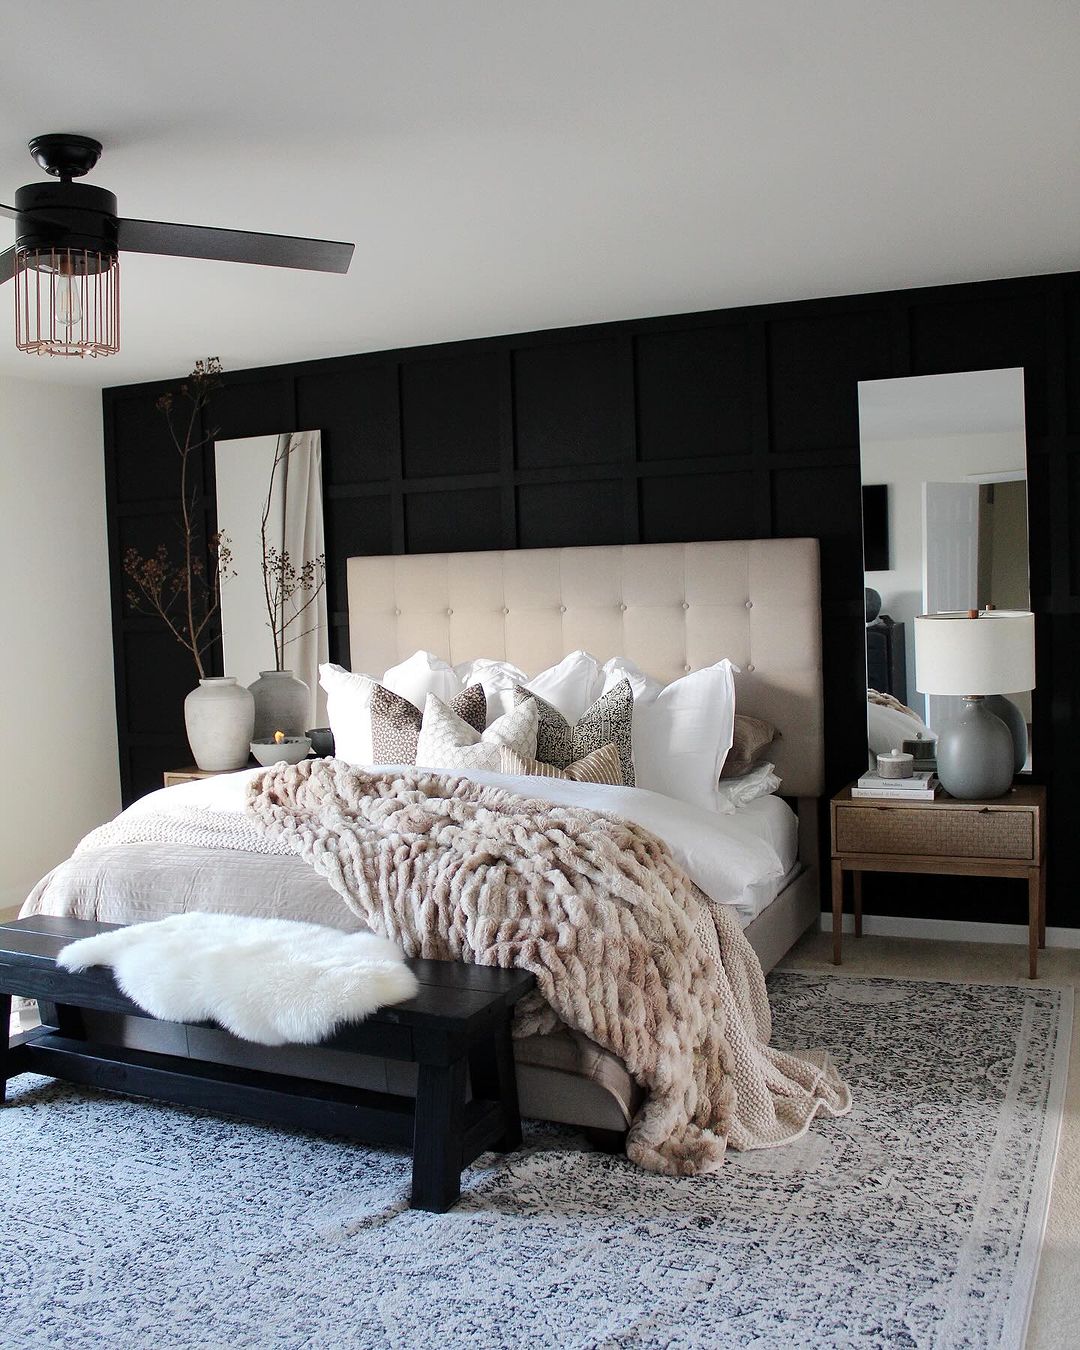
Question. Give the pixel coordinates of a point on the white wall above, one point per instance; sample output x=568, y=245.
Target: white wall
x=905, y=465
x=57, y=712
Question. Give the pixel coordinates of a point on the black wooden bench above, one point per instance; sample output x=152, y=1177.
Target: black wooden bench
x=456, y=1030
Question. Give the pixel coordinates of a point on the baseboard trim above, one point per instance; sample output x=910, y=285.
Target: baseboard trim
x=952, y=930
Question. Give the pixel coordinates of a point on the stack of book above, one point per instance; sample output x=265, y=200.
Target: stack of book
x=922, y=786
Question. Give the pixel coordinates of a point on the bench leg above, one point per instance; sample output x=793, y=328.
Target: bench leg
x=493, y=1075
x=5, y=1045
x=438, y=1136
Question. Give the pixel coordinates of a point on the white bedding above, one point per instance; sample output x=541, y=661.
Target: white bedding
x=739, y=859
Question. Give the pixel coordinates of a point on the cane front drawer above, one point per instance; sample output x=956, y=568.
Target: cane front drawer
x=984, y=832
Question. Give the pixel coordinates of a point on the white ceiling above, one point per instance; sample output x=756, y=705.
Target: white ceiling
x=505, y=165
x=968, y=403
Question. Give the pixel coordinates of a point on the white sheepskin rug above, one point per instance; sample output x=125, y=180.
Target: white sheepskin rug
x=267, y=980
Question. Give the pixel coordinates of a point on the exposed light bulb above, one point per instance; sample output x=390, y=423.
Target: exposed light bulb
x=68, y=303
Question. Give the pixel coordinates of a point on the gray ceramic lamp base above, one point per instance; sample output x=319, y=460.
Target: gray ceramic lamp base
x=975, y=754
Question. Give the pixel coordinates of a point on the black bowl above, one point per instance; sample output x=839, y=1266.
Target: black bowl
x=322, y=741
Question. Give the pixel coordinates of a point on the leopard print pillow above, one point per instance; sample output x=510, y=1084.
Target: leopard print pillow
x=396, y=723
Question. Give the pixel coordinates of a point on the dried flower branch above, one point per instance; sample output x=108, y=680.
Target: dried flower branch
x=185, y=592
x=289, y=590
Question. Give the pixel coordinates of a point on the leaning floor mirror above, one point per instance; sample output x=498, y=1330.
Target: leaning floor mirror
x=273, y=603
x=944, y=471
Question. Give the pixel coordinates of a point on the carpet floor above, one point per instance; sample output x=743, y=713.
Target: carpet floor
x=915, y=1221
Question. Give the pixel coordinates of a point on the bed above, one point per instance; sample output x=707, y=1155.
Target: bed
x=669, y=608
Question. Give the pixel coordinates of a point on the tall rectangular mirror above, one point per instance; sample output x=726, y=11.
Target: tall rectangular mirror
x=944, y=471
x=273, y=606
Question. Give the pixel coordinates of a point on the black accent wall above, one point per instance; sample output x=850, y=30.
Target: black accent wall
x=728, y=424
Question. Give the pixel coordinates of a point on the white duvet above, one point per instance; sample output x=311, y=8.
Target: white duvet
x=739, y=859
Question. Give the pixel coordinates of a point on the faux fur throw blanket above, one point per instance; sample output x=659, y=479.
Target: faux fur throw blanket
x=273, y=981
x=624, y=947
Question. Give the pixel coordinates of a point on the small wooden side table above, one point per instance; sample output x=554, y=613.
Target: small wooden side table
x=1002, y=837
x=190, y=775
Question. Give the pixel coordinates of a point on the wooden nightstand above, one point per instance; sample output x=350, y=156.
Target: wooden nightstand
x=190, y=775
x=1005, y=837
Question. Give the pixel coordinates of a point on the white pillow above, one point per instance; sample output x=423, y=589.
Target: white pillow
x=448, y=742
x=348, y=698
x=643, y=686
x=497, y=678
x=567, y=686
x=682, y=733
x=760, y=781
x=422, y=674
x=348, y=710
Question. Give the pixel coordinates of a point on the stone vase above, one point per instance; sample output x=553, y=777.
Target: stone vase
x=282, y=703
x=220, y=718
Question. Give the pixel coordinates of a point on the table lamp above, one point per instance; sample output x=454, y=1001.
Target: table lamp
x=973, y=654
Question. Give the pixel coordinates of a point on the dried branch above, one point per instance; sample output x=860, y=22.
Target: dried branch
x=289, y=590
x=185, y=593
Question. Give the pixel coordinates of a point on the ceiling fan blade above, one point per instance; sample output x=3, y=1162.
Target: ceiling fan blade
x=8, y=211
x=7, y=265
x=243, y=246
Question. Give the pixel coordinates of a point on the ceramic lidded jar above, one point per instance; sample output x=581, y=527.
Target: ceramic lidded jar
x=219, y=715
x=896, y=764
x=282, y=703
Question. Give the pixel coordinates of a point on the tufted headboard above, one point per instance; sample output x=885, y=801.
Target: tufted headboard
x=670, y=608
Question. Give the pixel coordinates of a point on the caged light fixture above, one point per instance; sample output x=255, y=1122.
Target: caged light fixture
x=68, y=240
x=67, y=301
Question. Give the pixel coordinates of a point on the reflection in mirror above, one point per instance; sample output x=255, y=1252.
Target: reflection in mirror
x=944, y=471
x=270, y=505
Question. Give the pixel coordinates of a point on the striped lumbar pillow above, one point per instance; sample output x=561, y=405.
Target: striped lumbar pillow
x=600, y=766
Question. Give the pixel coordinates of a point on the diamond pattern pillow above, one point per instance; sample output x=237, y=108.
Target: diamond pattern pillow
x=608, y=721
x=448, y=742
x=602, y=766
x=396, y=723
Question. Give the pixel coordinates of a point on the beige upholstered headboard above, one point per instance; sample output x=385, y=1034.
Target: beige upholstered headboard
x=670, y=608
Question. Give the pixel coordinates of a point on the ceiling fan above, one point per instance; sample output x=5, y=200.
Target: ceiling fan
x=68, y=237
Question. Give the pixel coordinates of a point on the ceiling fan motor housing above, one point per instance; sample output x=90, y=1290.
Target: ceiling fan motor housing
x=77, y=218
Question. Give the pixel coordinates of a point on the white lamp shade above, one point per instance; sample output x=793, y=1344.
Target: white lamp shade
x=991, y=654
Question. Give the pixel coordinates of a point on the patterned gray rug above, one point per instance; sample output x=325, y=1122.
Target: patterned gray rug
x=915, y=1221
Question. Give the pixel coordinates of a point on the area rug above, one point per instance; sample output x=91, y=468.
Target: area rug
x=915, y=1221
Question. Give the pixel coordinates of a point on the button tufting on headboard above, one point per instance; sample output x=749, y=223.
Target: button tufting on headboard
x=668, y=607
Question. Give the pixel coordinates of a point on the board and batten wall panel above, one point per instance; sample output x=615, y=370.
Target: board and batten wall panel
x=57, y=719
x=738, y=423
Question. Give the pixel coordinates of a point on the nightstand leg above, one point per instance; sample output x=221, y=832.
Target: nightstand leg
x=856, y=884
x=837, y=909
x=1042, y=905
x=1034, y=890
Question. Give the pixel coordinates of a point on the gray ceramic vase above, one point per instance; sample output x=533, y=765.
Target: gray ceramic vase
x=975, y=754
x=219, y=715
x=282, y=703
x=1013, y=718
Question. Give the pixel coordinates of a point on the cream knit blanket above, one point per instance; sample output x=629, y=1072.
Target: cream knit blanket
x=625, y=948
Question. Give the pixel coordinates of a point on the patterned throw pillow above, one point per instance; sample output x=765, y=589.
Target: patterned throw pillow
x=609, y=720
x=395, y=722
x=448, y=742
x=752, y=736
x=602, y=766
